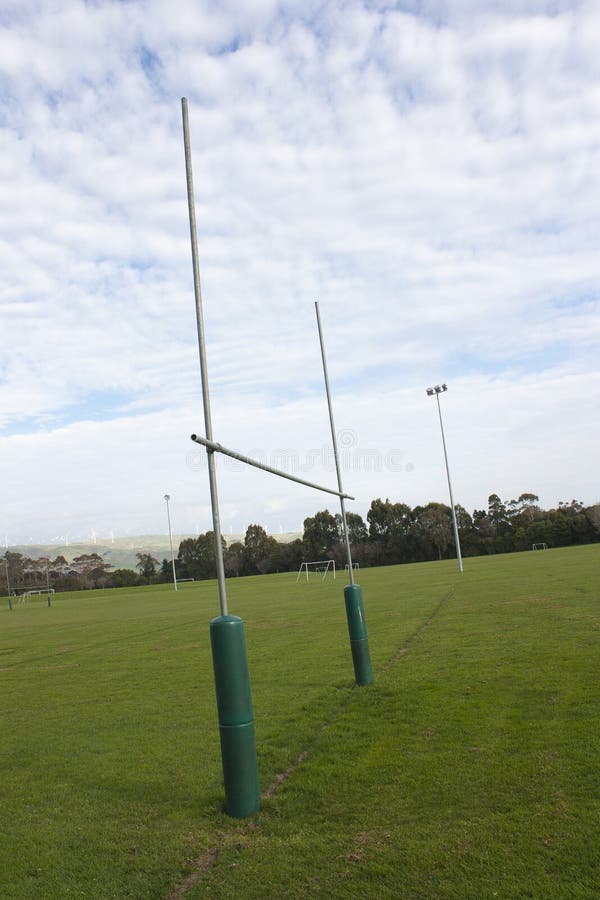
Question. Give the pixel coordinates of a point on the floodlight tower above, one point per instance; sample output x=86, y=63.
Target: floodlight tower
x=435, y=392
x=167, y=498
x=7, y=582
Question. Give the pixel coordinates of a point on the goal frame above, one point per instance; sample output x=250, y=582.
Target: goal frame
x=328, y=563
x=34, y=592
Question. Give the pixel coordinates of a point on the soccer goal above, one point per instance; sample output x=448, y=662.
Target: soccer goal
x=321, y=567
x=355, y=566
x=542, y=546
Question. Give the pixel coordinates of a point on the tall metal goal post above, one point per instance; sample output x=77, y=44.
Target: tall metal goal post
x=228, y=643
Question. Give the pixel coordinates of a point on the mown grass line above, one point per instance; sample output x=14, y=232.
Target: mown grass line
x=208, y=859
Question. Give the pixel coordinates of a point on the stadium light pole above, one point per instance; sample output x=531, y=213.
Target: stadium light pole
x=435, y=392
x=167, y=498
x=7, y=582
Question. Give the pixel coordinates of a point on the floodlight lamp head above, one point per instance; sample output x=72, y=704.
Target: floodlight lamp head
x=430, y=392
x=167, y=497
x=444, y=387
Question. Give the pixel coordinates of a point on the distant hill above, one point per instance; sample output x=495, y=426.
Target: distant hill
x=121, y=552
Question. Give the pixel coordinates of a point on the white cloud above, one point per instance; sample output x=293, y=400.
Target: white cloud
x=432, y=179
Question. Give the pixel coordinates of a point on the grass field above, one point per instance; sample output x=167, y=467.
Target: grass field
x=469, y=769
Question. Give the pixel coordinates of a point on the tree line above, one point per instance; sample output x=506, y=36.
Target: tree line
x=393, y=533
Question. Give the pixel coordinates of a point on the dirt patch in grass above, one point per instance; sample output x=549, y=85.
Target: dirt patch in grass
x=283, y=776
x=201, y=866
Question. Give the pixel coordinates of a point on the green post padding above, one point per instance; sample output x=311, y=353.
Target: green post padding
x=240, y=770
x=236, y=724
x=357, y=629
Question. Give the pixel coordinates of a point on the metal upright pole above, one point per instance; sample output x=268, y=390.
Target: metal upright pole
x=334, y=442
x=228, y=642
x=454, y=522
x=167, y=498
x=355, y=614
x=212, y=476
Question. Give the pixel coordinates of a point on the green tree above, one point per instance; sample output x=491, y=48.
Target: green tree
x=258, y=547
x=59, y=566
x=286, y=557
x=234, y=559
x=91, y=570
x=321, y=535
x=37, y=571
x=592, y=514
x=390, y=529
x=570, y=507
x=525, y=509
x=498, y=514
x=357, y=530
x=435, y=525
x=63, y=575
x=124, y=578
x=466, y=531
x=196, y=557
x=166, y=571
x=463, y=519
x=483, y=532
x=146, y=565
x=16, y=564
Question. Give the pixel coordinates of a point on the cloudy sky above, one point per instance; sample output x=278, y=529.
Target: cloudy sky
x=428, y=171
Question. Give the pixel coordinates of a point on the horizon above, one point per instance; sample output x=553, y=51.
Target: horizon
x=137, y=541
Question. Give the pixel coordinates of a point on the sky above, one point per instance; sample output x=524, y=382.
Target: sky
x=428, y=171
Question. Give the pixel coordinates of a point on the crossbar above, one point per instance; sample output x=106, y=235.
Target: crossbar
x=218, y=448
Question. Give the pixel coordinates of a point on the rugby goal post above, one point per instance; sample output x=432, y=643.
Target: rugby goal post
x=318, y=567
x=24, y=597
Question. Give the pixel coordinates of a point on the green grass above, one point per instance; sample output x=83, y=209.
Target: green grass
x=469, y=769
